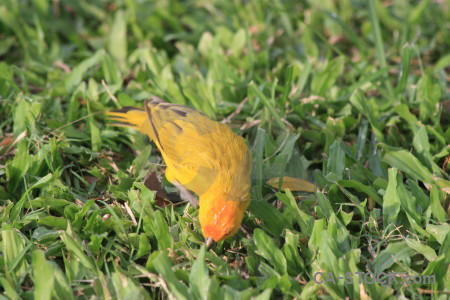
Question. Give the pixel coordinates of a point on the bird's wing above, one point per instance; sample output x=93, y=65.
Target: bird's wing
x=187, y=140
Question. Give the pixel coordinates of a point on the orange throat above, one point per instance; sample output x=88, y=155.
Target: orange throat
x=221, y=219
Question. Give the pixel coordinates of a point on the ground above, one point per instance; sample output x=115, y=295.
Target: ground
x=350, y=96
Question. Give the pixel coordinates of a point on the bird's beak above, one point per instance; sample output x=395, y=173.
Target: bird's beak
x=209, y=243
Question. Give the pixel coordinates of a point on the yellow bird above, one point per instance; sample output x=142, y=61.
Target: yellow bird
x=202, y=156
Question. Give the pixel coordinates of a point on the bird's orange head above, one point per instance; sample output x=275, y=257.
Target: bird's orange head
x=221, y=218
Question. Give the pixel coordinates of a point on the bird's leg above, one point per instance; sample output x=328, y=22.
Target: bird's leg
x=246, y=232
x=185, y=194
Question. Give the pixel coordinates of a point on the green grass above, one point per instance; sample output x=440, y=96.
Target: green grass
x=350, y=95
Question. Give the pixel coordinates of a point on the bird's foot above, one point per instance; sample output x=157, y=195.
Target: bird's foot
x=186, y=195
